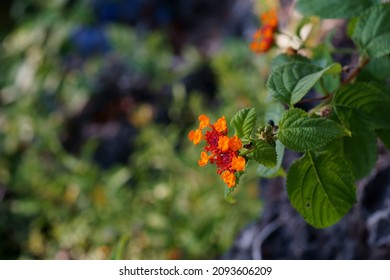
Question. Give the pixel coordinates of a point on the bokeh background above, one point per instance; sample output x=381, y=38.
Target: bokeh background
x=97, y=98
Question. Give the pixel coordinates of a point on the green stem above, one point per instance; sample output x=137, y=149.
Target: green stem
x=247, y=152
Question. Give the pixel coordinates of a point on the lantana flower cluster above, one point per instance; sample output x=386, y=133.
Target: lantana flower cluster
x=263, y=38
x=221, y=150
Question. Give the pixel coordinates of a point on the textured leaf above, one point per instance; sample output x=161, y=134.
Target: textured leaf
x=283, y=79
x=268, y=172
x=360, y=151
x=299, y=132
x=283, y=58
x=244, y=122
x=333, y=8
x=290, y=82
x=264, y=153
x=384, y=135
x=372, y=31
x=362, y=106
x=321, y=188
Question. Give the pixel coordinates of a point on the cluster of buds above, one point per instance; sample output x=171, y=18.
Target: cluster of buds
x=264, y=36
x=221, y=150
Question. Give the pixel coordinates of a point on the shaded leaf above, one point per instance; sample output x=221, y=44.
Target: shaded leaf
x=384, y=135
x=268, y=172
x=372, y=31
x=361, y=107
x=360, y=151
x=264, y=153
x=244, y=122
x=228, y=195
x=321, y=188
x=377, y=68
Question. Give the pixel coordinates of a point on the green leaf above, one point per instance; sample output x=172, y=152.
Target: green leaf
x=268, y=172
x=351, y=26
x=361, y=107
x=322, y=56
x=290, y=82
x=228, y=194
x=360, y=151
x=283, y=58
x=299, y=132
x=321, y=188
x=372, y=31
x=264, y=153
x=244, y=122
x=377, y=68
x=333, y=8
x=384, y=135
x=283, y=80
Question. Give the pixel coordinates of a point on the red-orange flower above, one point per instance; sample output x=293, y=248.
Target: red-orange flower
x=263, y=38
x=270, y=18
x=220, y=150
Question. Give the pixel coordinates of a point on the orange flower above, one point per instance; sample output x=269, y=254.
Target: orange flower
x=259, y=47
x=235, y=143
x=267, y=32
x=195, y=136
x=263, y=38
x=238, y=163
x=223, y=143
x=204, y=159
x=257, y=35
x=220, y=150
x=204, y=121
x=229, y=178
x=220, y=124
x=270, y=18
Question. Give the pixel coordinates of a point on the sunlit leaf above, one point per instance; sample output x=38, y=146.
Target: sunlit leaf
x=299, y=132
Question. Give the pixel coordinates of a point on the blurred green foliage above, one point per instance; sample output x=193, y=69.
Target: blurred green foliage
x=159, y=206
